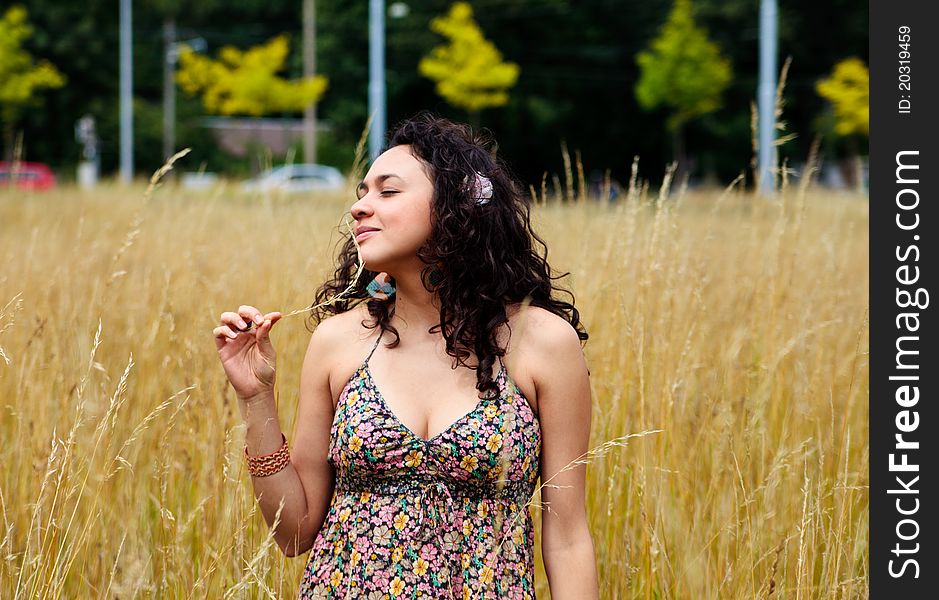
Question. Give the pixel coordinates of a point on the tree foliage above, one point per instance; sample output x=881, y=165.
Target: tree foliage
x=683, y=69
x=20, y=76
x=578, y=58
x=246, y=82
x=469, y=70
x=848, y=90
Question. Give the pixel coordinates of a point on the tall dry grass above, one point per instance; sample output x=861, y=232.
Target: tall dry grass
x=736, y=326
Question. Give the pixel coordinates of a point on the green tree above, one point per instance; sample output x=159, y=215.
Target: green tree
x=469, y=70
x=20, y=76
x=246, y=82
x=684, y=71
x=848, y=90
x=573, y=58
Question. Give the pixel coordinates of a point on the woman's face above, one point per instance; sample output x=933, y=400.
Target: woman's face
x=395, y=198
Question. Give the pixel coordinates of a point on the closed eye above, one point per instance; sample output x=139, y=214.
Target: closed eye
x=384, y=192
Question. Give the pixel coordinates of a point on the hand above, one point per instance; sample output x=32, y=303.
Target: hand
x=244, y=346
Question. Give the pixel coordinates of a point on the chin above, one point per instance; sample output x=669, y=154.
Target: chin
x=373, y=264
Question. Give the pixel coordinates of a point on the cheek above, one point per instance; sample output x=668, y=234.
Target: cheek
x=407, y=232
x=419, y=221
x=425, y=217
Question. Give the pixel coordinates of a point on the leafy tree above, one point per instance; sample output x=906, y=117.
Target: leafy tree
x=578, y=59
x=469, y=71
x=20, y=76
x=246, y=82
x=848, y=90
x=682, y=70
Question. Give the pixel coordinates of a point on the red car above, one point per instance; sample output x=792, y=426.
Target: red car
x=27, y=176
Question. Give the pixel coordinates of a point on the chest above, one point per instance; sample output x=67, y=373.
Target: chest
x=417, y=382
x=499, y=438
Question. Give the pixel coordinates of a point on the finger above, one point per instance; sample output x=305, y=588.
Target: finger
x=235, y=321
x=223, y=335
x=264, y=337
x=224, y=331
x=251, y=313
x=263, y=332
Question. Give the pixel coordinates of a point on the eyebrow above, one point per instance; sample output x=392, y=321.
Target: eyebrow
x=378, y=181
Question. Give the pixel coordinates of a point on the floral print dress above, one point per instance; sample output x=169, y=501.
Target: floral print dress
x=440, y=518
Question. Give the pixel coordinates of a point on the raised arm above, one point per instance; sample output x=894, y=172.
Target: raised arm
x=306, y=483
x=311, y=441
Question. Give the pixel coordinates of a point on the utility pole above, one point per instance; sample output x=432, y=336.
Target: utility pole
x=127, y=93
x=376, y=76
x=171, y=49
x=309, y=70
x=169, y=87
x=766, y=160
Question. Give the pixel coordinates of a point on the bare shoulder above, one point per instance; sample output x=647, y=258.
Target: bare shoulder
x=342, y=326
x=542, y=329
x=343, y=341
x=541, y=345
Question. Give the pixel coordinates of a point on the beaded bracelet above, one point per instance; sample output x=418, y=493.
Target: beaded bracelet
x=268, y=464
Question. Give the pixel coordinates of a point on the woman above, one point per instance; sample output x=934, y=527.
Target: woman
x=410, y=473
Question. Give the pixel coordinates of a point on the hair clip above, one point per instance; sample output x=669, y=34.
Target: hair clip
x=480, y=190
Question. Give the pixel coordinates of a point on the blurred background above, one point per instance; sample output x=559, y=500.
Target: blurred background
x=560, y=73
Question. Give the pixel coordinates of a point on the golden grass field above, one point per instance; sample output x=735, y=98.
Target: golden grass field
x=736, y=326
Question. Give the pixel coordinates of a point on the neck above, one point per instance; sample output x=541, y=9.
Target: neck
x=415, y=309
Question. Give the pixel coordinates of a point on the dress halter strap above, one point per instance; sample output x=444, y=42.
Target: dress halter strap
x=373, y=347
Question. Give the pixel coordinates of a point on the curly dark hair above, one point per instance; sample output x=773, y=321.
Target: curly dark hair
x=484, y=254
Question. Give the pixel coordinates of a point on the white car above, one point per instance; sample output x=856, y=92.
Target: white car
x=297, y=178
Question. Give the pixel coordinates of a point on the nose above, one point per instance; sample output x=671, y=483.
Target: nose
x=360, y=208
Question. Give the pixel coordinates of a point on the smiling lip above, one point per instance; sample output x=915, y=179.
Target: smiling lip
x=365, y=234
